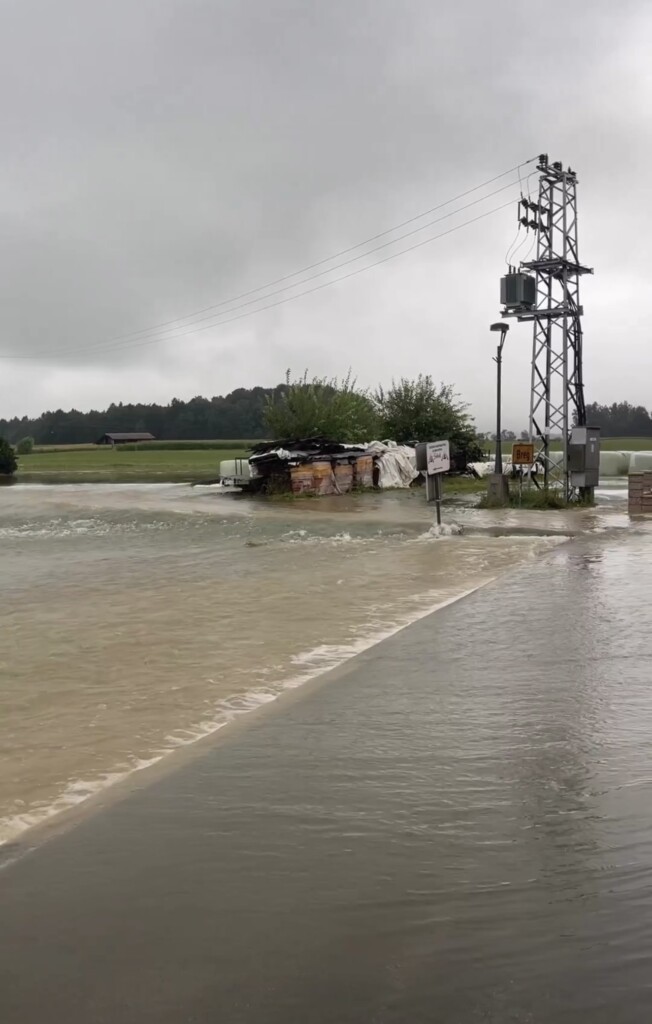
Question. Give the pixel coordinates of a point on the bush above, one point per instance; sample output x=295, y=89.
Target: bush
x=8, y=463
x=25, y=446
x=418, y=410
x=321, y=407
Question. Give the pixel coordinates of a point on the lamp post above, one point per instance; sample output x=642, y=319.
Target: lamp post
x=497, y=484
x=498, y=359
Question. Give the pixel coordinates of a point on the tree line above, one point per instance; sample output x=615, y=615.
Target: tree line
x=240, y=414
x=408, y=411
x=620, y=419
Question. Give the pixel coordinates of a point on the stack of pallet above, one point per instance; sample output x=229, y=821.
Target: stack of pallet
x=332, y=476
x=639, y=493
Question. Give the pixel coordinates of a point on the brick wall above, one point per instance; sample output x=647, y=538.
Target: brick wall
x=639, y=493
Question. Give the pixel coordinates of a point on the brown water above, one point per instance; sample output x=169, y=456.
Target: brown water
x=138, y=618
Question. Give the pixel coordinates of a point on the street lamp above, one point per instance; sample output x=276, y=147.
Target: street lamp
x=498, y=359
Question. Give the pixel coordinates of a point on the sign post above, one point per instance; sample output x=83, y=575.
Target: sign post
x=522, y=455
x=438, y=461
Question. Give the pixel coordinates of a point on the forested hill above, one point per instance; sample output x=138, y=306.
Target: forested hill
x=238, y=415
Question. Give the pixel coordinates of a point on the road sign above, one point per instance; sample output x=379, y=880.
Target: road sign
x=438, y=457
x=523, y=453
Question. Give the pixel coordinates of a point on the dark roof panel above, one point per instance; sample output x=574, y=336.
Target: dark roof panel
x=128, y=437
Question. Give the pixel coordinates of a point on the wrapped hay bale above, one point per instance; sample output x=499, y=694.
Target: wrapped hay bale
x=640, y=462
x=614, y=463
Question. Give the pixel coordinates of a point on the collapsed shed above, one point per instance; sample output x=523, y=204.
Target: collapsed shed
x=320, y=466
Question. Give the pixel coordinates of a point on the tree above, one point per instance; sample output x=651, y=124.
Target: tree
x=419, y=410
x=8, y=462
x=25, y=446
x=620, y=419
x=323, y=407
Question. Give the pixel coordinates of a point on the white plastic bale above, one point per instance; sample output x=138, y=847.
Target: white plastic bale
x=235, y=468
x=640, y=462
x=614, y=463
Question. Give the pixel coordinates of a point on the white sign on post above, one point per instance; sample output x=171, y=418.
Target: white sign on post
x=438, y=457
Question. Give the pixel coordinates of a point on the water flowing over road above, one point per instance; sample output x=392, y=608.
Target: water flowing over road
x=453, y=827
x=138, y=619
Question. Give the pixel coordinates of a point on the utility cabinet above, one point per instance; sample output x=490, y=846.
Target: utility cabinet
x=584, y=456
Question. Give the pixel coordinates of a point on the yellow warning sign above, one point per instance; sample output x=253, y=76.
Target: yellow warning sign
x=523, y=453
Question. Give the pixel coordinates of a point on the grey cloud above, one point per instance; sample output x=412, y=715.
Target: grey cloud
x=161, y=156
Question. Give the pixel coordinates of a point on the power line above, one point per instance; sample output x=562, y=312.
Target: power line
x=178, y=322
x=337, y=255
x=306, y=280
x=288, y=298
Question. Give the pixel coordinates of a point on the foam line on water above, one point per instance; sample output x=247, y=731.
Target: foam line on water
x=75, y=792
x=310, y=664
x=304, y=667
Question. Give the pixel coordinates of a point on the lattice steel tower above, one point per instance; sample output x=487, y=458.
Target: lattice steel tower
x=557, y=386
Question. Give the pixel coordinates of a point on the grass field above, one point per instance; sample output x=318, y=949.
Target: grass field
x=626, y=444
x=607, y=444
x=88, y=464
x=165, y=463
x=152, y=446
x=91, y=464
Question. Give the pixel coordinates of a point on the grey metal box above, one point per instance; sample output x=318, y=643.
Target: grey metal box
x=584, y=456
x=422, y=456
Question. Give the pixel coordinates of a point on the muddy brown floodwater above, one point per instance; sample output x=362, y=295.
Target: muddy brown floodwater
x=452, y=827
x=137, y=619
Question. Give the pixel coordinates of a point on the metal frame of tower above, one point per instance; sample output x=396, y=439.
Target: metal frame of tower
x=557, y=386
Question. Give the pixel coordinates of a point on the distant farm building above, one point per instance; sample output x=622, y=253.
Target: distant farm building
x=124, y=438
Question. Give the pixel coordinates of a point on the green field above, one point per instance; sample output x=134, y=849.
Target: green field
x=608, y=444
x=90, y=464
x=626, y=444
x=166, y=463
x=152, y=446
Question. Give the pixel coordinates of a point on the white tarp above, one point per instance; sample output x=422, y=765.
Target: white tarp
x=397, y=463
x=483, y=469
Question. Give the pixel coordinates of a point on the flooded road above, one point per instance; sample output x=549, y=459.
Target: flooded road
x=452, y=827
x=137, y=619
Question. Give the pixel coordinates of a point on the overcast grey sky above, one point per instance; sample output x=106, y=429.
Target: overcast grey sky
x=160, y=156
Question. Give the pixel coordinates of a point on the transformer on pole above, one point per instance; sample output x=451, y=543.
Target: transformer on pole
x=551, y=300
